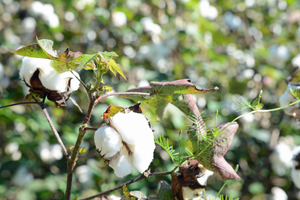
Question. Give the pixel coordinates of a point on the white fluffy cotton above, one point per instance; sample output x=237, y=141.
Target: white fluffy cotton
x=122, y=165
x=134, y=135
x=108, y=141
x=48, y=76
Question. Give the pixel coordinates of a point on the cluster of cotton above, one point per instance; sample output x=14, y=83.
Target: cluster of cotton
x=46, y=12
x=286, y=98
x=126, y=142
x=38, y=74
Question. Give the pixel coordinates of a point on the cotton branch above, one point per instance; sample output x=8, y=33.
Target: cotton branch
x=128, y=183
x=42, y=105
x=121, y=93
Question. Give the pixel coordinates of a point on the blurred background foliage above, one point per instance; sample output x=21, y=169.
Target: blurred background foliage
x=241, y=46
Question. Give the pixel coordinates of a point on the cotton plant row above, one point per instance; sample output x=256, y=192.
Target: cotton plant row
x=126, y=140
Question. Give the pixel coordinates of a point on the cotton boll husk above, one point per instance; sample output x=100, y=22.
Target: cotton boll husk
x=143, y=156
x=108, y=141
x=122, y=164
x=133, y=127
x=30, y=65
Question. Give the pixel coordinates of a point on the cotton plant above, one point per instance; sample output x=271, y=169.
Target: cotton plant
x=126, y=140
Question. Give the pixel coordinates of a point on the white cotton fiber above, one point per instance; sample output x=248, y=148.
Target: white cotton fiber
x=54, y=81
x=108, y=141
x=30, y=65
x=142, y=157
x=74, y=81
x=132, y=126
x=122, y=164
x=48, y=76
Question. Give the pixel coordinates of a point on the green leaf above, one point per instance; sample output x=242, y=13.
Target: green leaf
x=107, y=56
x=76, y=197
x=114, y=68
x=126, y=193
x=175, y=92
x=32, y=50
x=82, y=150
x=47, y=46
x=165, y=192
x=108, y=88
x=72, y=148
x=85, y=59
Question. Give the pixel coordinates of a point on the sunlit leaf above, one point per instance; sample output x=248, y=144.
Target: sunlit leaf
x=47, y=47
x=111, y=111
x=175, y=92
x=114, y=68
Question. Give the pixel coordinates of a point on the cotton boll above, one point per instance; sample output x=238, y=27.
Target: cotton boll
x=107, y=141
x=53, y=81
x=74, y=84
x=133, y=127
x=30, y=65
x=142, y=157
x=122, y=164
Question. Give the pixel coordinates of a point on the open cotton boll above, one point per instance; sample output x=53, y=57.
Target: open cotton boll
x=132, y=126
x=122, y=164
x=107, y=141
x=74, y=85
x=142, y=157
x=54, y=81
x=30, y=65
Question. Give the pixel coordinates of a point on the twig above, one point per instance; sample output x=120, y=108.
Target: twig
x=75, y=153
x=21, y=103
x=42, y=105
x=128, y=183
x=121, y=93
